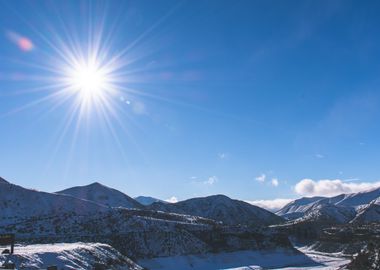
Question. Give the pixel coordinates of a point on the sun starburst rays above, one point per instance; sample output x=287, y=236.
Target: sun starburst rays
x=89, y=78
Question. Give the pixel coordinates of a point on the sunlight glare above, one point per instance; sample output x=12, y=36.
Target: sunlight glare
x=89, y=81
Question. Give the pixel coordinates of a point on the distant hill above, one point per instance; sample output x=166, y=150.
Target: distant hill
x=101, y=194
x=146, y=200
x=221, y=208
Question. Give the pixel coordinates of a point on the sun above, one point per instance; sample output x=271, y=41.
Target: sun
x=89, y=81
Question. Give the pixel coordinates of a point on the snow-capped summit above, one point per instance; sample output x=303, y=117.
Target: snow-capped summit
x=221, y=208
x=146, y=200
x=101, y=194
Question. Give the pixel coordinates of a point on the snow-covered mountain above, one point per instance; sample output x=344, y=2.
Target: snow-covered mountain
x=146, y=200
x=297, y=208
x=101, y=194
x=41, y=217
x=368, y=214
x=341, y=208
x=327, y=214
x=18, y=203
x=355, y=200
x=221, y=208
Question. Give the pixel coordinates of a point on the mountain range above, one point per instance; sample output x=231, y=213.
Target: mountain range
x=96, y=213
x=146, y=227
x=221, y=208
x=361, y=207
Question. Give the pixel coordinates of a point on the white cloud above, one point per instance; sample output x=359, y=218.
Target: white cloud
x=271, y=205
x=211, y=180
x=275, y=182
x=319, y=156
x=172, y=200
x=261, y=178
x=309, y=187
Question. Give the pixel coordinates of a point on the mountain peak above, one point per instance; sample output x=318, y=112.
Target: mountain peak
x=102, y=194
x=96, y=184
x=3, y=181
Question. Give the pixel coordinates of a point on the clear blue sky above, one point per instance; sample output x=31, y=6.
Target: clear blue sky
x=223, y=92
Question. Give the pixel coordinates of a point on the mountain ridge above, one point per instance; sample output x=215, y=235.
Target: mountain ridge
x=103, y=195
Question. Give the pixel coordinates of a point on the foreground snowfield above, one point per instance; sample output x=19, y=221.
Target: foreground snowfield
x=69, y=256
x=326, y=261
x=87, y=255
x=248, y=260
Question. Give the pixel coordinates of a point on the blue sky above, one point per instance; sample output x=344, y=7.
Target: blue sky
x=213, y=96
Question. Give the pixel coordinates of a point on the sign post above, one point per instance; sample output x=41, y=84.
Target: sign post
x=8, y=239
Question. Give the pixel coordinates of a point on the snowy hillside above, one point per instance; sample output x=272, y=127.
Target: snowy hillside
x=40, y=217
x=146, y=200
x=297, y=208
x=222, y=208
x=327, y=214
x=79, y=256
x=341, y=208
x=3, y=181
x=354, y=199
x=368, y=214
x=142, y=233
x=17, y=203
x=101, y=194
x=368, y=258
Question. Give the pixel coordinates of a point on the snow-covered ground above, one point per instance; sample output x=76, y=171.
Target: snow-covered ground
x=87, y=255
x=249, y=260
x=326, y=261
x=69, y=256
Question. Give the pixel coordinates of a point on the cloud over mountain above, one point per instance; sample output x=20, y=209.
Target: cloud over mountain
x=271, y=205
x=309, y=187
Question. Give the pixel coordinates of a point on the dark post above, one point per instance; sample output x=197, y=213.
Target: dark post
x=8, y=239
